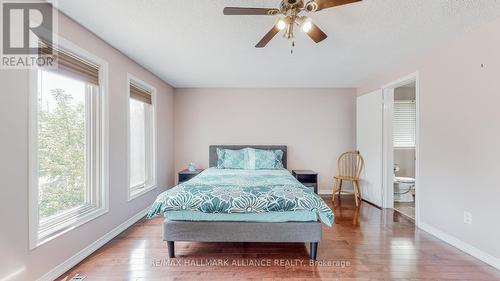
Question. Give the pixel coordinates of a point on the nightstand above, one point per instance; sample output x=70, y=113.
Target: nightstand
x=308, y=178
x=186, y=175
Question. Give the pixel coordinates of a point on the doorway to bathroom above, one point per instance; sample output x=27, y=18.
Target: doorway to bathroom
x=404, y=148
x=400, y=146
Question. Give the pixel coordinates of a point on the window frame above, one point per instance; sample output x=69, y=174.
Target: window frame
x=60, y=224
x=134, y=192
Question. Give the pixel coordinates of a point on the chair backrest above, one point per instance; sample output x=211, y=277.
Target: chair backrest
x=350, y=164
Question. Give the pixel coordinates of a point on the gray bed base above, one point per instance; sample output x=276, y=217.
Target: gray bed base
x=283, y=232
x=273, y=232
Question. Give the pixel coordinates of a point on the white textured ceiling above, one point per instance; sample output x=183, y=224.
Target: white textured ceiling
x=189, y=43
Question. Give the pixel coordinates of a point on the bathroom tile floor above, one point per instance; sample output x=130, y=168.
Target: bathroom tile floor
x=405, y=208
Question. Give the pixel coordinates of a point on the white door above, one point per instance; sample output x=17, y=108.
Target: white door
x=369, y=134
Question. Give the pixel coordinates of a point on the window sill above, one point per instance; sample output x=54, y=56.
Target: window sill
x=67, y=226
x=140, y=191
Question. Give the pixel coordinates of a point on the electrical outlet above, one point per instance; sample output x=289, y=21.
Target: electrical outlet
x=467, y=217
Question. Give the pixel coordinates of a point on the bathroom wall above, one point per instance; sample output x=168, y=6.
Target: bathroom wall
x=405, y=158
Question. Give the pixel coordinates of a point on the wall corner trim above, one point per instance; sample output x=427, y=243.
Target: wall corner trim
x=87, y=251
x=461, y=245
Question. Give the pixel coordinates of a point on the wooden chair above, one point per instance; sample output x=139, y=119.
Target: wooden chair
x=350, y=165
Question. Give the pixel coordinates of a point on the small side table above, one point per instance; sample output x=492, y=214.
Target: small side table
x=308, y=178
x=186, y=175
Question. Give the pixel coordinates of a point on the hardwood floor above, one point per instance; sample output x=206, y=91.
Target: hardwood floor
x=365, y=244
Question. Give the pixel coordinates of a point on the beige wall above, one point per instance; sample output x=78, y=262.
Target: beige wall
x=14, y=252
x=459, y=137
x=316, y=124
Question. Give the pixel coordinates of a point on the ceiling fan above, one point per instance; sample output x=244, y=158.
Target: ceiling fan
x=290, y=14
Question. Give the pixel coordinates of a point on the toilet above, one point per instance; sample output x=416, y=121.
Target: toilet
x=403, y=189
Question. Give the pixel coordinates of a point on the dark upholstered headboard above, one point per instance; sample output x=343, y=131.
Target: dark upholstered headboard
x=212, y=157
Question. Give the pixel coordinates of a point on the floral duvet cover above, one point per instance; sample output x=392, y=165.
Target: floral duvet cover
x=228, y=191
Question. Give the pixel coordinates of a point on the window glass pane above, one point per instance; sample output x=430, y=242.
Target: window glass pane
x=61, y=143
x=137, y=143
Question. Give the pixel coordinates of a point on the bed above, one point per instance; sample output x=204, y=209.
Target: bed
x=230, y=205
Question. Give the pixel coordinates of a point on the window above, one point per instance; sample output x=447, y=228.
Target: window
x=142, y=132
x=67, y=147
x=405, y=120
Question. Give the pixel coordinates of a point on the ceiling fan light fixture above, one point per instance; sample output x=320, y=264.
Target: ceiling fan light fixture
x=281, y=24
x=290, y=15
x=306, y=25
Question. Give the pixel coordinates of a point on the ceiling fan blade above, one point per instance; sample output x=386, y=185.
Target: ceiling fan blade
x=232, y=11
x=325, y=4
x=270, y=35
x=316, y=34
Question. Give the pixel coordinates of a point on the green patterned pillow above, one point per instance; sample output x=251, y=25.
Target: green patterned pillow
x=220, y=157
x=232, y=159
x=265, y=159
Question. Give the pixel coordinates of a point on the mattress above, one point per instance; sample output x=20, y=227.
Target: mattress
x=242, y=195
x=298, y=216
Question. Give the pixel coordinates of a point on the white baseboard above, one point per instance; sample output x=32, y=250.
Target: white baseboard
x=74, y=260
x=461, y=245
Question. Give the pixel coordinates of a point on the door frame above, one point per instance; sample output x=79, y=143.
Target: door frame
x=388, y=149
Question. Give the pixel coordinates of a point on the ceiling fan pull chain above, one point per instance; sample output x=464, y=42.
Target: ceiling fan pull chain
x=293, y=46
